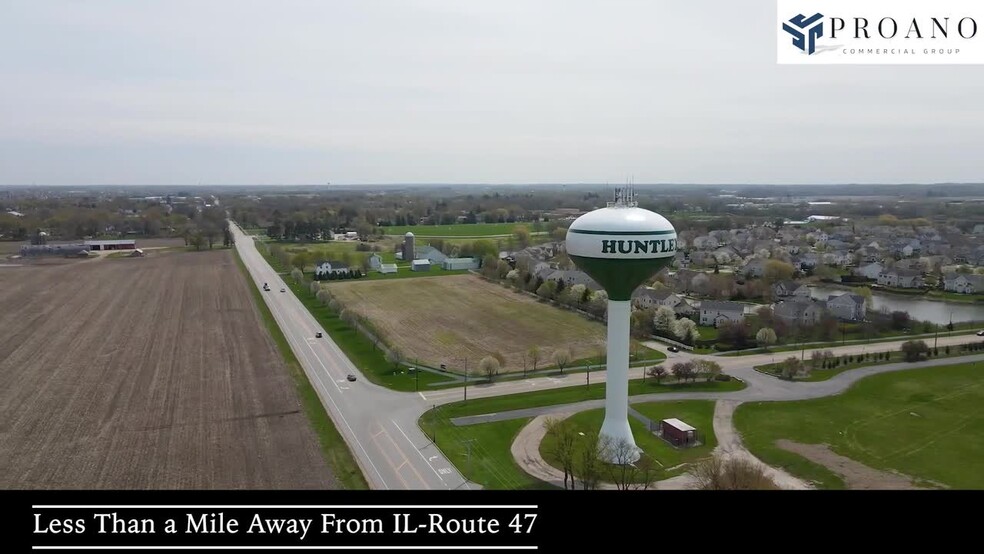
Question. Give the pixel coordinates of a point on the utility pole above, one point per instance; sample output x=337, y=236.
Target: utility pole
x=466, y=379
x=416, y=375
x=468, y=445
x=936, y=336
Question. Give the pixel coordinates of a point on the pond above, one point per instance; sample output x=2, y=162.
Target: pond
x=934, y=311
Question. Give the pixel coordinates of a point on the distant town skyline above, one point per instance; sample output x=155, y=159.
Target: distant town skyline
x=444, y=92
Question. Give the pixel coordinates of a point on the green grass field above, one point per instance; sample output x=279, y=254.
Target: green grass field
x=955, y=296
x=672, y=461
x=333, y=446
x=568, y=395
x=492, y=465
x=403, y=272
x=460, y=230
x=925, y=423
x=490, y=462
x=894, y=356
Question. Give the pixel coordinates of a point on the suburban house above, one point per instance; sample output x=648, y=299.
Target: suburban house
x=754, y=268
x=375, y=262
x=644, y=297
x=850, y=307
x=799, y=311
x=715, y=312
x=808, y=260
x=569, y=277
x=326, y=267
x=869, y=271
x=684, y=308
x=790, y=288
x=705, y=243
x=901, y=278
x=963, y=283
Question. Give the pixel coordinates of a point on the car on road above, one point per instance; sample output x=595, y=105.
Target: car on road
x=351, y=377
x=317, y=335
x=980, y=333
x=283, y=290
x=673, y=349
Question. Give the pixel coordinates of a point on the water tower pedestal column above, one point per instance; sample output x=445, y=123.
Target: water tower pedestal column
x=615, y=431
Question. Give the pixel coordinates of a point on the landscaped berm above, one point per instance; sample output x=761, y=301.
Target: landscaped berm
x=444, y=320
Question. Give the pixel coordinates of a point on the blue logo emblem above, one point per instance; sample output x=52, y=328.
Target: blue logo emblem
x=804, y=36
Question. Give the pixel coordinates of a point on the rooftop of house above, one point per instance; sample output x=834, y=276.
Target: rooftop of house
x=721, y=306
x=849, y=297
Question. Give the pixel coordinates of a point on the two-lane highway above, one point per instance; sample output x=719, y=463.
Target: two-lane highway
x=378, y=424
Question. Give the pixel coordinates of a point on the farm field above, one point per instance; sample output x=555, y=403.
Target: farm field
x=146, y=373
x=443, y=320
x=920, y=423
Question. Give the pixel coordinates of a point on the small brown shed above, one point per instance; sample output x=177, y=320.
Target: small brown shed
x=677, y=432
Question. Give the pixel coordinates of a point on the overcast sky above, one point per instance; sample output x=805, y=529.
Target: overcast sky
x=458, y=91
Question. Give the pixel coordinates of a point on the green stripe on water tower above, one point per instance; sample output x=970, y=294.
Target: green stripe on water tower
x=620, y=276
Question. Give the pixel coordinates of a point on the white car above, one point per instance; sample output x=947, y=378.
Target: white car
x=283, y=290
x=980, y=333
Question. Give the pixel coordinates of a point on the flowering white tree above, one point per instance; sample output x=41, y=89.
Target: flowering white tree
x=686, y=330
x=664, y=319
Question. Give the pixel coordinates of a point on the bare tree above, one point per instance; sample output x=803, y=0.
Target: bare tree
x=334, y=305
x=561, y=357
x=297, y=275
x=563, y=446
x=395, y=356
x=489, y=366
x=715, y=474
x=646, y=472
x=534, y=354
x=657, y=372
x=708, y=368
x=323, y=296
x=315, y=288
x=590, y=463
x=683, y=370
x=620, y=453
x=790, y=367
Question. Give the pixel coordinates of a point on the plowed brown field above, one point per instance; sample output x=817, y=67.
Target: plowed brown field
x=142, y=373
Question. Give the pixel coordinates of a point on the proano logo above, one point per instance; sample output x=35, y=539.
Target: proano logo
x=805, y=31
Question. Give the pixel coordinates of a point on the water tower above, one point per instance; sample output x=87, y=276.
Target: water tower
x=620, y=246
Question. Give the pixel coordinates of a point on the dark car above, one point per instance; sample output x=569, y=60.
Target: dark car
x=317, y=335
x=283, y=290
x=673, y=349
x=351, y=377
